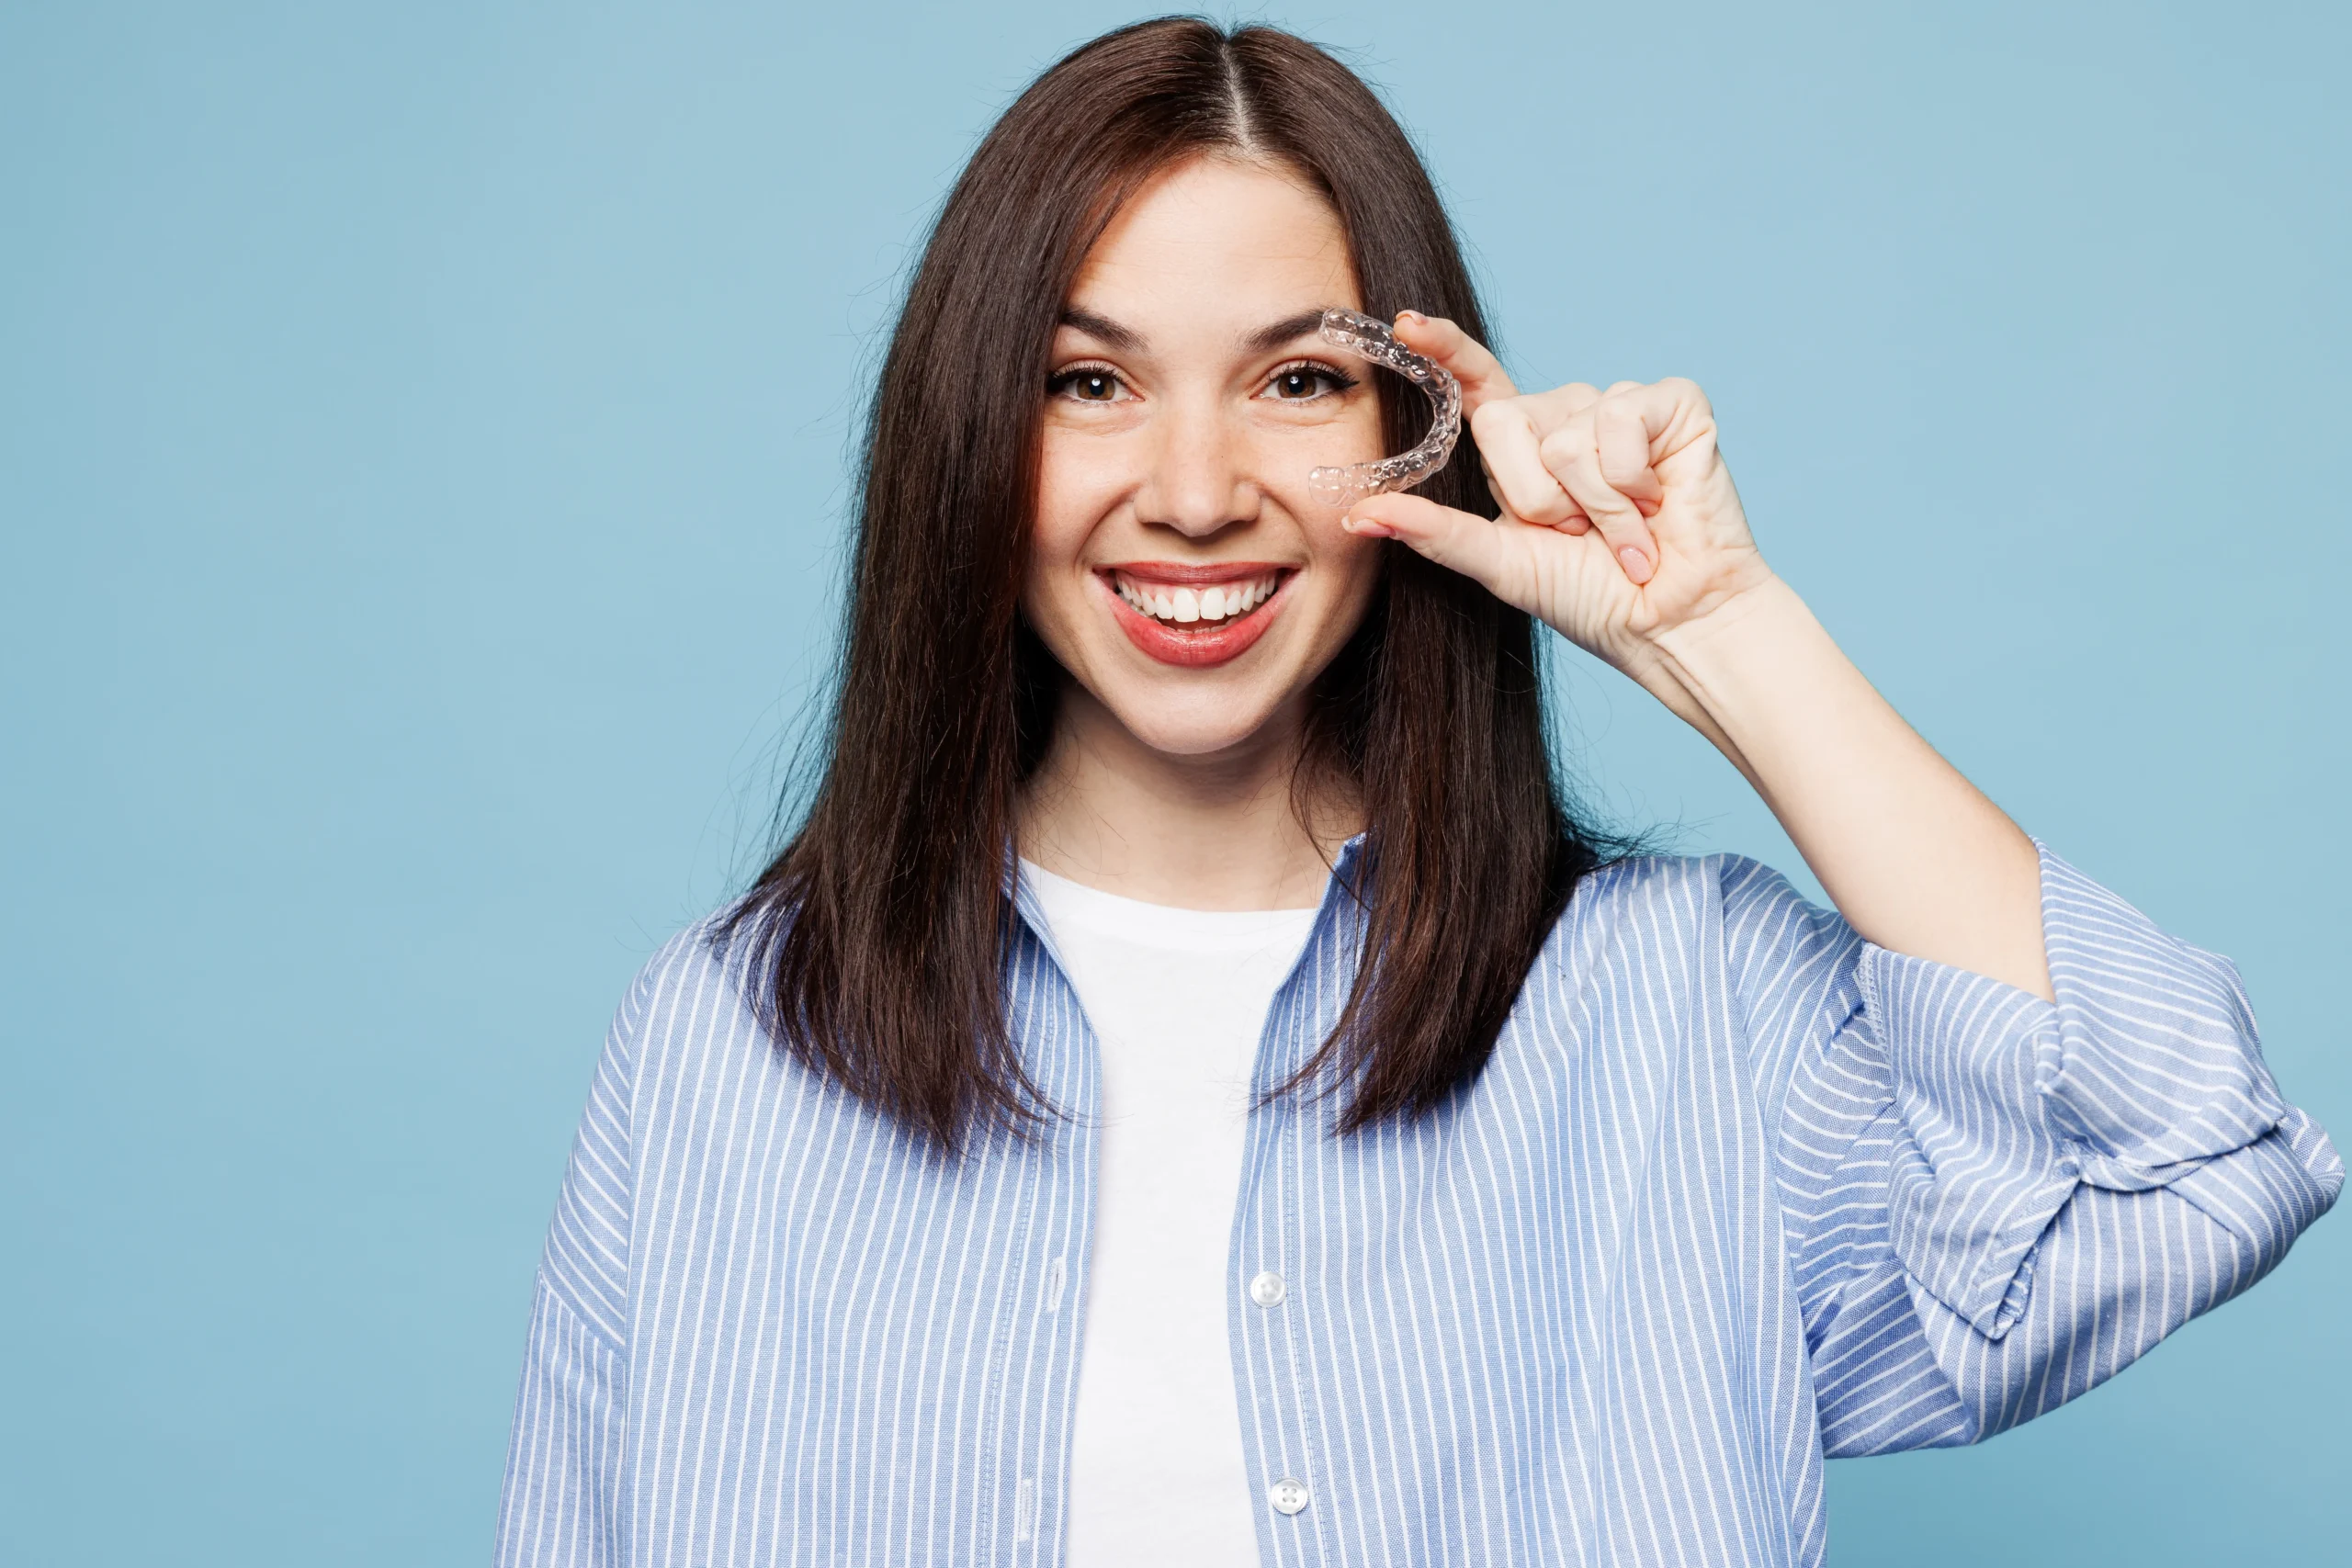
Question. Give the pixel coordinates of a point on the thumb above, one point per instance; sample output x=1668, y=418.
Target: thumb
x=1478, y=547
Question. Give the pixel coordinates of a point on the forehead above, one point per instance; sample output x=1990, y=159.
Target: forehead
x=1216, y=243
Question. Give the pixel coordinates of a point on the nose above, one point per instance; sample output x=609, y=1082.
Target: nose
x=1199, y=480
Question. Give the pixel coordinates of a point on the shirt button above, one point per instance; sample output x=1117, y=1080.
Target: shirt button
x=1268, y=1290
x=1287, y=1495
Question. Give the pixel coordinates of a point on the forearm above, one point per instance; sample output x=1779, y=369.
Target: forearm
x=1913, y=854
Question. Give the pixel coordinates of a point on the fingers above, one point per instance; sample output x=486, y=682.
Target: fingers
x=1606, y=459
x=1510, y=445
x=1475, y=546
x=1575, y=459
x=1563, y=402
x=1481, y=374
x=1624, y=444
x=1572, y=455
x=1509, y=429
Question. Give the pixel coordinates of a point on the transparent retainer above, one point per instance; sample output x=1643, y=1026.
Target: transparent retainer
x=1369, y=339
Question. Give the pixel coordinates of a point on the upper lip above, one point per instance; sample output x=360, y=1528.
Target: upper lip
x=1199, y=574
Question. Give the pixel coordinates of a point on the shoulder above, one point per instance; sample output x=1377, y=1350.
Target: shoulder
x=1681, y=888
x=1658, y=913
x=695, y=953
x=1645, y=914
x=686, y=987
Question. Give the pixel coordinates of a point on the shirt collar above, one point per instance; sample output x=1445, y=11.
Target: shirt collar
x=1344, y=873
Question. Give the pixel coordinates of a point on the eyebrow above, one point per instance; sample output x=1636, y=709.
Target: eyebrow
x=1103, y=329
x=1266, y=340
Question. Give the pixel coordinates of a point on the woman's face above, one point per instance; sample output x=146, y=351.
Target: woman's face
x=1180, y=570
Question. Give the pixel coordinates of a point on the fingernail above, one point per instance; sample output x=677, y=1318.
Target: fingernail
x=1637, y=565
x=1410, y=316
x=1367, y=527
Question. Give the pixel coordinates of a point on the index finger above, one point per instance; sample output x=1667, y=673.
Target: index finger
x=1664, y=412
x=1481, y=374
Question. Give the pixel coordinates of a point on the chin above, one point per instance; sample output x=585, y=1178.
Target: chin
x=1188, y=731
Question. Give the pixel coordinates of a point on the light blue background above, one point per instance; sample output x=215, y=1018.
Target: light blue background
x=421, y=456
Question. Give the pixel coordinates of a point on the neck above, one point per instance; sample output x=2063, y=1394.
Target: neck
x=1220, y=831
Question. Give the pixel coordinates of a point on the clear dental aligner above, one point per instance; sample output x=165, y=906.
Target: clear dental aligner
x=1369, y=339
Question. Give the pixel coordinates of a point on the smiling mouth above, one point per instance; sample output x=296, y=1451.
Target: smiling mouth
x=1195, y=616
x=1209, y=607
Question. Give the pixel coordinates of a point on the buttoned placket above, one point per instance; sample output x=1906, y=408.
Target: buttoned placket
x=1061, y=1241
x=1265, y=1218
x=1269, y=1363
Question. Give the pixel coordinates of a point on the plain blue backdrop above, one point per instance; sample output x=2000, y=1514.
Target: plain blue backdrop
x=423, y=437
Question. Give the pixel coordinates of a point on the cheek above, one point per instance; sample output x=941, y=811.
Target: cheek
x=1350, y=565
x=1080, y=477
x=1078, y=482
x=1074, y=492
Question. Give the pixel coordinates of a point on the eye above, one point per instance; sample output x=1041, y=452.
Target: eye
x=1086, y=384
x=1306, y=381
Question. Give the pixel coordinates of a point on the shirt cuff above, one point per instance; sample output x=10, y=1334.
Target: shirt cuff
x=2144, y=1067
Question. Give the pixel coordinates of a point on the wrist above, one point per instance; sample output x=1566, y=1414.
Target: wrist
x=1754, y=629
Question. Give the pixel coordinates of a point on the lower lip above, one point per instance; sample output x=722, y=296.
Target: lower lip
x=1195, y=650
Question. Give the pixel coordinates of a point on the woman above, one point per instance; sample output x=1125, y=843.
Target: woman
x=1191, y=1093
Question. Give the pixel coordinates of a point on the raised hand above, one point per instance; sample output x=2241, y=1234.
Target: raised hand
x=1619, y=523
x=1620, y=529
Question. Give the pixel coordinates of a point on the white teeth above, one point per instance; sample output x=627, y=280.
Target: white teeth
x=1186, y=606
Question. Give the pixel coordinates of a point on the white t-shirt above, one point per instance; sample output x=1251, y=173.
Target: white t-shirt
x=1178, y=1000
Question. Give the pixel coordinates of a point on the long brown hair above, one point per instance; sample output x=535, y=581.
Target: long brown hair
x=875, y=943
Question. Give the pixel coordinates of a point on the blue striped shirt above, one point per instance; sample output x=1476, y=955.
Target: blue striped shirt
x=1738, y=1191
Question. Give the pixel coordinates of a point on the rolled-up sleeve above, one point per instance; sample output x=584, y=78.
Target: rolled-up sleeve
x=1996, y=1202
